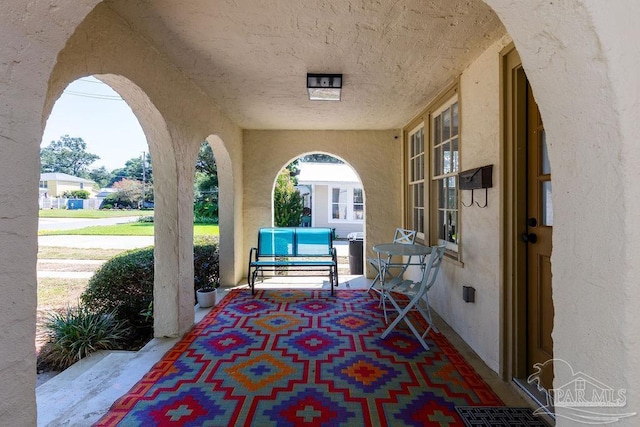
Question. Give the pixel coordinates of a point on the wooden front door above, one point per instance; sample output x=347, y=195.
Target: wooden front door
x=538, y=237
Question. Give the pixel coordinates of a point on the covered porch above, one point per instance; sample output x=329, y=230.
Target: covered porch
x=233, y=74
x=100, y=390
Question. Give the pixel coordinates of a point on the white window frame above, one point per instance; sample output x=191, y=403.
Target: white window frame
x=350, y=213
x=445, y=165
x=416, y=171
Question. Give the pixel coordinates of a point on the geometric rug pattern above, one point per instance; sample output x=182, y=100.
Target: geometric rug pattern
x=302, y=358
x=499, y=416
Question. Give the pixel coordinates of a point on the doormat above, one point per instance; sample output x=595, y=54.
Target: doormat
x=494, y=416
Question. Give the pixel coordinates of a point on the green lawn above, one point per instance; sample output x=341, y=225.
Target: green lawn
x=130, y=229
x=91, y=213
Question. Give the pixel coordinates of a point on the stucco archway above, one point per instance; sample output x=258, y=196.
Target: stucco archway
x=575, y=65
x=161, y=149
x=229, y=235
x=324, y=176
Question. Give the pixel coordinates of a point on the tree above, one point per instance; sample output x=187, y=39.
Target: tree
x=133, y=169
x=320, y=158
x=67, y=155
x=101, y=176
x=129, y=194
x=206, y=163
x=206, y=184
x=287, y=202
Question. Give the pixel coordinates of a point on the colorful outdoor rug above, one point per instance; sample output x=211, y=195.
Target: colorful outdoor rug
x=302, y=358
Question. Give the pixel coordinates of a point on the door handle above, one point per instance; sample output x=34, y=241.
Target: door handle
x=529, y=237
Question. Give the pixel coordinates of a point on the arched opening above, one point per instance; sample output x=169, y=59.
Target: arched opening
x=96, y=202
x=319, y=189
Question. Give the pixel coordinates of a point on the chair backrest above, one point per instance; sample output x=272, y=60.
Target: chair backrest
x=432, y=267
x=404, y=236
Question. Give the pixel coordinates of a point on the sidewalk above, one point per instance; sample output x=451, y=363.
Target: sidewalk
x=97, y=242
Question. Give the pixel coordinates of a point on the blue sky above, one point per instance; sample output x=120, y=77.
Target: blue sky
x=91, y=110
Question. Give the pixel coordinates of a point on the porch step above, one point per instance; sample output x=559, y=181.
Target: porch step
x=83, y=393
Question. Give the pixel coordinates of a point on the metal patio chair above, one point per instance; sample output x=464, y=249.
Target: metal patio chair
x=404, y=236
x=417, y=295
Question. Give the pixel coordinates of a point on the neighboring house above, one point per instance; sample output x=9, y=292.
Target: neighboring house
x=336, y=196
x=54, y=184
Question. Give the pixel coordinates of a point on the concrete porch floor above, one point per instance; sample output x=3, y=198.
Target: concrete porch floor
x=83, y=393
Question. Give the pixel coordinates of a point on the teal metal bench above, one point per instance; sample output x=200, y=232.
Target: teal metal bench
x=296, y=249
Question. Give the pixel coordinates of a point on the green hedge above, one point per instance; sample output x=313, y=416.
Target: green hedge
x=124, y=284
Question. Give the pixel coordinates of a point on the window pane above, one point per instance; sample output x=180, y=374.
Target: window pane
x=452, y=226
x=358, y=212
x=357, y=196
x=418, y=195
x=446, y=124
x=446, y=158
x=452, y=194
x=547, y=204
x=441, y=194
x=546, y=166
x=437, y=131
x=454, y=114
x=339, y=203
x=454, y=154
x=437, y=161
x=442, y=226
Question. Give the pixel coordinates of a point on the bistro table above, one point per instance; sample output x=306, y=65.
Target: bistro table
x=397, y=249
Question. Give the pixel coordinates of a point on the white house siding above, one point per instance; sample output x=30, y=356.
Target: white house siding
x=320, y=197
x=321, y=214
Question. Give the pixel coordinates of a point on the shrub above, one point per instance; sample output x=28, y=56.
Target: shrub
x=124, y=284
x=76, y=194
x=205, y=220
x=146, y=219
x=78, y=332
x=118, y=200
x=206, y=265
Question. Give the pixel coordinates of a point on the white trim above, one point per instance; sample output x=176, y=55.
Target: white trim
x=349, y=202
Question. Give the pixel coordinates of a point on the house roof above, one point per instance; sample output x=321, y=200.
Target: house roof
x=315, y=173
x=59, y=176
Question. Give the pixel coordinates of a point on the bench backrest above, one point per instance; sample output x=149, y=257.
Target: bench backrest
x=295, y=241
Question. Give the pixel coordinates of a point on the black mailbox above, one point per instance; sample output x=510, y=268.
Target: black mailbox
x=476, y=178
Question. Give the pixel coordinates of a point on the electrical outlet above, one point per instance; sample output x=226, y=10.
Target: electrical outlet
x=468, y=294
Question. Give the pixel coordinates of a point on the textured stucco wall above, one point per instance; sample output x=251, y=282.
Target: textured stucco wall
x=577, y=58
x=479, y=323
x=176, y=117
x=374, y=155
x=32, y=33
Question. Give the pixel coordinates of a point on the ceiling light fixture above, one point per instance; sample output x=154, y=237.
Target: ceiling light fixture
x=324, y=87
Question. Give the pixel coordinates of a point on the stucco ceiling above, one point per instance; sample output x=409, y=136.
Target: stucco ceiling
x=252, y=56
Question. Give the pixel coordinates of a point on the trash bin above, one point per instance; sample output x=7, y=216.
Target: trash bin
x=74, y=204
x=356, y=241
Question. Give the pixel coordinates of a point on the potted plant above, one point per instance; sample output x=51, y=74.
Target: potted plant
x=208, y=294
